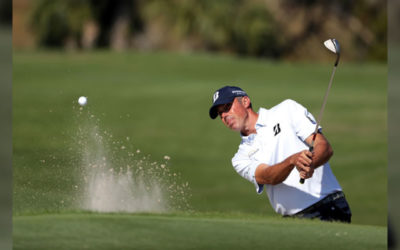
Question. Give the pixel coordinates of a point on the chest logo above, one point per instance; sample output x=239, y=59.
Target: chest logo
x=277, y=129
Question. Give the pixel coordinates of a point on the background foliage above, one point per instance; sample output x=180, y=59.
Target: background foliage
x=274, y=29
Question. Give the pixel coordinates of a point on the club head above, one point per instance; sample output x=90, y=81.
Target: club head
x=333, y=45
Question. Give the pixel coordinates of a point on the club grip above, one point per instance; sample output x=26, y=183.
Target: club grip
x=310, y=149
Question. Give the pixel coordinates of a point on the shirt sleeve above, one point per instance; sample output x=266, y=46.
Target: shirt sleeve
x=303, y=122
x=246, y=167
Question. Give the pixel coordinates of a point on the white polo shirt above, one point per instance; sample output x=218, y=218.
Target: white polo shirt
x=281, y=132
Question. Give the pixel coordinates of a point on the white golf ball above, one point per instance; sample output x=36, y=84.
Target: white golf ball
x=82, y=100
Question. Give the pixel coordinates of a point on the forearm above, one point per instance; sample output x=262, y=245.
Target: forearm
x=277, y=173
x=322, y=151
x=274, y=174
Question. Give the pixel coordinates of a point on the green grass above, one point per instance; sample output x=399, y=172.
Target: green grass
x=394, y=134
x=5, y=135
x=161, y=101
x=195, y=231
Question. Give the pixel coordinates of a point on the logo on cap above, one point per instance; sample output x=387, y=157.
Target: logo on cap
x=215, y=96
x=238, y=92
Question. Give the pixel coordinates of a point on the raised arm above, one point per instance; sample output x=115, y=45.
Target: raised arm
x=322, y=150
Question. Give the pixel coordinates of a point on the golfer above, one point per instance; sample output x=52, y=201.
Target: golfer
x=274, y=155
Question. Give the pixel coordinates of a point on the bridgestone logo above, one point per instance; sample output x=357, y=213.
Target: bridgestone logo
x=215, y=96
x=277, y=129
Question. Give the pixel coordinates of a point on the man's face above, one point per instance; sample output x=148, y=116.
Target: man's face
x=233, y=114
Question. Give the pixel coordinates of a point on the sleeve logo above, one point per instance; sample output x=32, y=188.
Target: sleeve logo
x=310, y=117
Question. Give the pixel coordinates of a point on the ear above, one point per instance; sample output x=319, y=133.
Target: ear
x=246, y=101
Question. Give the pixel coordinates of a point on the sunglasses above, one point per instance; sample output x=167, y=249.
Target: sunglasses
x=224, y=108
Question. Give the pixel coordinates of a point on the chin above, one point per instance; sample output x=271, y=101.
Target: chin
x=230, y=127
x=234, y=128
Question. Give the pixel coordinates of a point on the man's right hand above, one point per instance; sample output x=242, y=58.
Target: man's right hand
x=302, y=161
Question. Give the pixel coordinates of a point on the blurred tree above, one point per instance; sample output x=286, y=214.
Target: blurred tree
x=373, y=16
x=243, y=27
x=277, y=29
x=256, y=32
x=360, y=25
x=117, y=21
x=6, y=11
x=57, y=22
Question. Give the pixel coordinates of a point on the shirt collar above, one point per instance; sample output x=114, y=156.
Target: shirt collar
x=261, y=122
x=262, y=118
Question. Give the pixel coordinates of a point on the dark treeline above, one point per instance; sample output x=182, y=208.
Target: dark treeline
x=5, y=12
x=274, y=29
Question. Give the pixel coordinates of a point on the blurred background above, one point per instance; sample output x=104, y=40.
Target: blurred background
x=149, y=69
x=273, y=29
x=393, y=122
x=5, y=124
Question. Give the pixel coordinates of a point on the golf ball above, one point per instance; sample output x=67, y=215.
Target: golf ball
x=82, y=100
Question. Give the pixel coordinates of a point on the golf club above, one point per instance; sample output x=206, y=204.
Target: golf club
x=332, y=45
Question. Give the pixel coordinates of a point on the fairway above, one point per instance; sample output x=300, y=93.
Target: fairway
x=157, y=104
x=196, y=231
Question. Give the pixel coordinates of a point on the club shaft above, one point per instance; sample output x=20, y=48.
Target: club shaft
x=321, y=112
x=311, y=149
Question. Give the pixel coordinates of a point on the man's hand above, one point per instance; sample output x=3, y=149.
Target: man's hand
x=276, y=174
x=305, y=175
x=302, y=161
x=322, y=150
